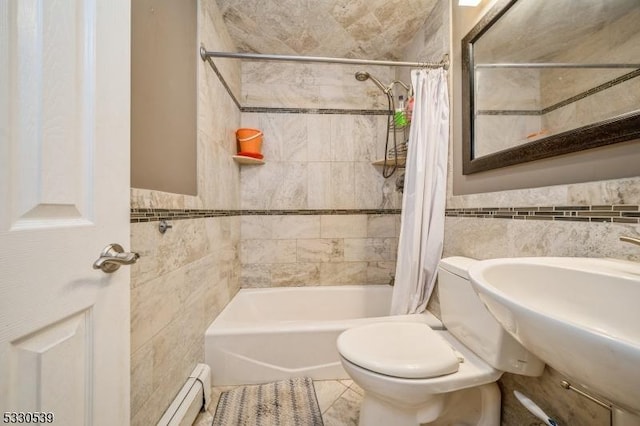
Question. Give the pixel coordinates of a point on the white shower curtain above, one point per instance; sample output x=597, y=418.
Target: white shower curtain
x=423, y=204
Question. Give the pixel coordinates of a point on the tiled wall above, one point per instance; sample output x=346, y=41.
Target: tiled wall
x=317, y=85
x=615, y=42
x=295, y=250
x=488, y=235
x=323, y=128
x=186, y=276
x=318, y=161
x=500, y=91
x=182, y=281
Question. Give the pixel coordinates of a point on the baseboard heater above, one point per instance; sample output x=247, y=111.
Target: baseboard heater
x=194, y=396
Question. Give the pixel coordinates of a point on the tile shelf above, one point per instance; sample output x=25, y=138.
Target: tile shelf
x=391, y=162
x=241, y=159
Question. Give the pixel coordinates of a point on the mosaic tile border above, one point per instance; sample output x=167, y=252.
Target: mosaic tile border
x=619, y=213
x=623, y=213
x=139, y=215
x=604, y=86
x=315, y=111
x=572, y=99
x=291, y=110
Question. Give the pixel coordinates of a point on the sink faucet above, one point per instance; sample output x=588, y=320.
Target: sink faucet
x=631, y=240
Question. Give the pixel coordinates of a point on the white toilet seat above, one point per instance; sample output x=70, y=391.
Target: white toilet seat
x=399, y=349
x=474, y=371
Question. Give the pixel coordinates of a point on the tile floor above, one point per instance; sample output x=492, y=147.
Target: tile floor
x=339, y=402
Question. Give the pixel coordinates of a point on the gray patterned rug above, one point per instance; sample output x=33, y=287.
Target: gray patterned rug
x=290, y=402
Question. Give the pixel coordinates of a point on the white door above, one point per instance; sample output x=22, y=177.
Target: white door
x=64, y=195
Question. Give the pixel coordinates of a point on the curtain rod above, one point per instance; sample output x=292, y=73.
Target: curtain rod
x=262, y=57
x=555, y=65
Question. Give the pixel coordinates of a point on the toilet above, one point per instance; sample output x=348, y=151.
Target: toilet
x=412, y=374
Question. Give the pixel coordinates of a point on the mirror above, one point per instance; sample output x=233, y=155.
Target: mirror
x=545, y=77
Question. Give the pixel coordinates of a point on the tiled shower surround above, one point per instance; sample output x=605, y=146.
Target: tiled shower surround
x=323, y=129
x=318, y=249
x=318, y=161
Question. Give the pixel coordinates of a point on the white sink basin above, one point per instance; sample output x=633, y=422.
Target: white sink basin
x=579, y=315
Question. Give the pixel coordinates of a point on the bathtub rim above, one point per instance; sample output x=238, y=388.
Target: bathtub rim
x=221, y=326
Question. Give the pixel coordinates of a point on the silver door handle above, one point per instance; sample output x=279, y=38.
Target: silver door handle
x=112, y=257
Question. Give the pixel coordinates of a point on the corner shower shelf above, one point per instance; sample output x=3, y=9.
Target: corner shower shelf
x=391, y=162
x=241, y=159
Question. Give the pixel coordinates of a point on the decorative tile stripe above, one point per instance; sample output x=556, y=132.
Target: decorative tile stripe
x=318, y=212
x=509, y=112
x=153, y=215
x=593, y=91
x=315, y=111
x=623, y=213
x=604, y=86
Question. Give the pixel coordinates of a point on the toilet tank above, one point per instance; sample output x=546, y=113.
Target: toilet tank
x=469, y=321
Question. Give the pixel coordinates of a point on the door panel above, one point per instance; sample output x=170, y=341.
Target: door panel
x=64, y=195
x=51, y=111
x=43, y=376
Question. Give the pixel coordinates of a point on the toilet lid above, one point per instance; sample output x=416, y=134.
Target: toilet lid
x=399, y=349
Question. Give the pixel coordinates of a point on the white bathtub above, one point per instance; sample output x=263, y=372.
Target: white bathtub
x=271, y=334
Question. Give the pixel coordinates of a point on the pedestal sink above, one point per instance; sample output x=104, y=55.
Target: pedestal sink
x=579, y=315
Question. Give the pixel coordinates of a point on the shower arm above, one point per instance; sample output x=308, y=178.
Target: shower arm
x=390, y=87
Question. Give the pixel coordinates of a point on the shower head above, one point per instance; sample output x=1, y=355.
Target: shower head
x=363, y=75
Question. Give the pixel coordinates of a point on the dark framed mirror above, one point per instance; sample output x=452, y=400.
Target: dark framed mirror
x=542, y=78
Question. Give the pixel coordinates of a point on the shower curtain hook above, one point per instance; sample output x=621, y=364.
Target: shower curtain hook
x=445, y=61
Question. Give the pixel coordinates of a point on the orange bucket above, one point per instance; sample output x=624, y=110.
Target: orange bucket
x=252, y=144
x=247, y=133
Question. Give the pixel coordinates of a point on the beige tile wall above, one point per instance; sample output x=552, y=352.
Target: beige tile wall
x=317, y=85
x=616, y=42
x=612, y=102
x=182, y=281
x=305, y=250
x=185, y=277
x=316, y=162
x=492, y=238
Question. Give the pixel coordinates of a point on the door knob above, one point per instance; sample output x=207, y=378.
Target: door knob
x=112, y=257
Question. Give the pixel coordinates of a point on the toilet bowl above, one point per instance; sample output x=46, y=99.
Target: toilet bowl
x=413, y=375
x=392, y=398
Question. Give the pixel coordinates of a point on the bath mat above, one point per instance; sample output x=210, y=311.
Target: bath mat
x=290, y=402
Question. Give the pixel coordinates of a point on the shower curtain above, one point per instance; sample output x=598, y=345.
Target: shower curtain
x=423, y=204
